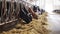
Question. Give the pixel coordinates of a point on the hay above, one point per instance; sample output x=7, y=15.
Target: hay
x=35, y=27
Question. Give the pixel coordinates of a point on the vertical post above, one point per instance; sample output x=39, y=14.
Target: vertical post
x=11, y=10
x=17, y=8
x=0, y=9
x=3, y=14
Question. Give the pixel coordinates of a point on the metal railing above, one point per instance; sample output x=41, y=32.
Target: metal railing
x=8, y=11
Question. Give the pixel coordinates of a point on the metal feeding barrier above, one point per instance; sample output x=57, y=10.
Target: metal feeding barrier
x=8, y=11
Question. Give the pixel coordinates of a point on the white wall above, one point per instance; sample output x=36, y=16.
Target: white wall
x=40, y=3
x=56, y=4
x=49, y=5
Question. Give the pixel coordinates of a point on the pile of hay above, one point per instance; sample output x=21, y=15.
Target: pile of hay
x=35, y=27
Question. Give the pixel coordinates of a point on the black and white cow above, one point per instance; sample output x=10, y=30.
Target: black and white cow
x=38, y=10
x=25, y=15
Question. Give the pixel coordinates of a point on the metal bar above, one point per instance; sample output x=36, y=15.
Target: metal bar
x=11, y=10
x=3, y=12
x=17, y=8
x=8, y=22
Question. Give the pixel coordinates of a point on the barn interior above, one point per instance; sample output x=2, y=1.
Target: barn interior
x=29, y=16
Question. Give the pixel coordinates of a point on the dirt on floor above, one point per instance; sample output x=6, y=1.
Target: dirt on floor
x=35, y=27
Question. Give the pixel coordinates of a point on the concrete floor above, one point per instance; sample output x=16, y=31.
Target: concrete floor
x=54, y=22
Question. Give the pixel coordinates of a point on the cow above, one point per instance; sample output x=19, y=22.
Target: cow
x=25, y=15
